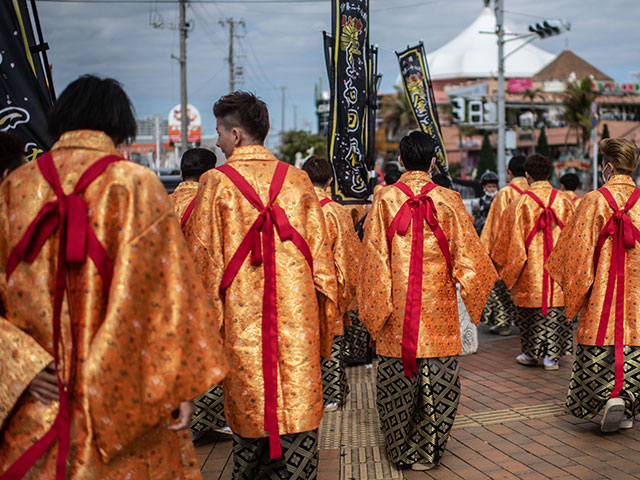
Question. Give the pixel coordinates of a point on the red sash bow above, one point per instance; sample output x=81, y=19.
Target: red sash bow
x=417, y=210
x=259, y=242
x=68, y=215
x=544, y=224
x=624, y=236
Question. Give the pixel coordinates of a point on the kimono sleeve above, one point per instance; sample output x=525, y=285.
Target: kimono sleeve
x=21, y=359
x=374, y=290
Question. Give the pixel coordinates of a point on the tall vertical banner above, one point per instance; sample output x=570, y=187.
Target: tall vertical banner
x=348, y=65
x=26, y=90
x=417, y=87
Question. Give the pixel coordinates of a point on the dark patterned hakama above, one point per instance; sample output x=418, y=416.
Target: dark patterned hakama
x=299, y=459
x=356, y=344
x=592, y=381
x=209, y=413
x=541, y=335
x=335, y=386
x=416, y=414
x=499, y=311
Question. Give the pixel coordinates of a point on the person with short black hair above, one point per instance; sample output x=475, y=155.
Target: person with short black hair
x=599, y=272
x=11, y=153
x=194, y=162
x=258, y=236
x=528, y=231
x=418, y=240
x=345, y=246
x=569, y=183
x=500, y=312
x=136, y=336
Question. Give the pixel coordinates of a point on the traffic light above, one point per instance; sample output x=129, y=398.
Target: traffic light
x=458, y=109
x=547, y=29
x=475, y=112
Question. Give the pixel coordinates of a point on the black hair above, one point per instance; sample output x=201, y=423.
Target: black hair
x=196, y=161
x=243, y=110
x=538, y=167
x=392, y=176
x=11, y=152
x=571, y=181
x=417, y=150
x=516, y=165
x=318, y=169
x=93, y=103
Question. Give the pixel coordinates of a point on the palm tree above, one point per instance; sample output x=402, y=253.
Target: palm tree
x=577, y=101
x=397, y=113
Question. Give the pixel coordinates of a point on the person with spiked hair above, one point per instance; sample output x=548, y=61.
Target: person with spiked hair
x=597, y=263
x=529, y=229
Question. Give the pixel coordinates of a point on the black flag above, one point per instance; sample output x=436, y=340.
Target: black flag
x=417, y=87
x=26, y=91
x=349, y=67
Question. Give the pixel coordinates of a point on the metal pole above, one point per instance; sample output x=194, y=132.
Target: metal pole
x=232, y=67
x=183, y=77
x=594, y=140
x=282, y=119
x=501, y=103
x=158, y=144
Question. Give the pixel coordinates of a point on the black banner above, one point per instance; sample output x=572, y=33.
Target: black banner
x=417, y=86
x=350, y=77
x=26, y=92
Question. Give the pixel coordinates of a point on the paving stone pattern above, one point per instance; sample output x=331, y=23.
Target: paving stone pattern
x=510, y=425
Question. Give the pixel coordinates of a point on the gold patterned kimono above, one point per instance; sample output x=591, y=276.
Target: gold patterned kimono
x=573, y=197
x=571, y=264
x=522, y=269
x=182, y=196
x=382, y=290
x=503, y=199
x=306, y=304
x=345, y=246
x=140, y=351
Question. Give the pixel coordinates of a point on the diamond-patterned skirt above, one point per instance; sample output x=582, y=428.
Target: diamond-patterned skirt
x=499, y=311
x=592, y=380
x=542, y=335
x=209, y=413
x=356, y=341
x=335, y=386
x=299, y=458
x=416, y=414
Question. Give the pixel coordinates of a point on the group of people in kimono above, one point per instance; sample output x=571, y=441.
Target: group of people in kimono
x=120, y=306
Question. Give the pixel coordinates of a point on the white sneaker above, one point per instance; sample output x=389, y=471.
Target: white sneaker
x=422, y=467
x=549, y=364
x=612, y=415
x=524, y=359
x=626, y=423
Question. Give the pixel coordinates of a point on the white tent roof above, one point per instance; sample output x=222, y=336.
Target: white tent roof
x=475, y=55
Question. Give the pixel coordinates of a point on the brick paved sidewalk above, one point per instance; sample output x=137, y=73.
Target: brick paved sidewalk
x=510, y=425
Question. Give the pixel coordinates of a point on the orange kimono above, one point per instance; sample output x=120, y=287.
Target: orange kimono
x=345, y=246
x=139, y=350
x=573, y=197
x=306, y=302
x=584, y=282
x=182, y=197
x=503, y=199
x=521, y=266
x=384, y=274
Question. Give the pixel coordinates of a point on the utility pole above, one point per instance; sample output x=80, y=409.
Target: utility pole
x=295, y=117
x=158, y=136
x=184, y=136
x=231, y=60
x=282, y=119
x=501, y=103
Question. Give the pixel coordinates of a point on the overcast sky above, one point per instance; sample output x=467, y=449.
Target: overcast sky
x=282, y=45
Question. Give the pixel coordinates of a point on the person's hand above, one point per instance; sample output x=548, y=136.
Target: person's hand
x=45, y=385
x=185, y=413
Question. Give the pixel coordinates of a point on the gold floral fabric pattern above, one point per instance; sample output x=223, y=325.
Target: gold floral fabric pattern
x=140, y=350
x=382, y=289
x=522, y=269
x=182, y=196
x=584, y=284
x=503, y=199
x=307, y=304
